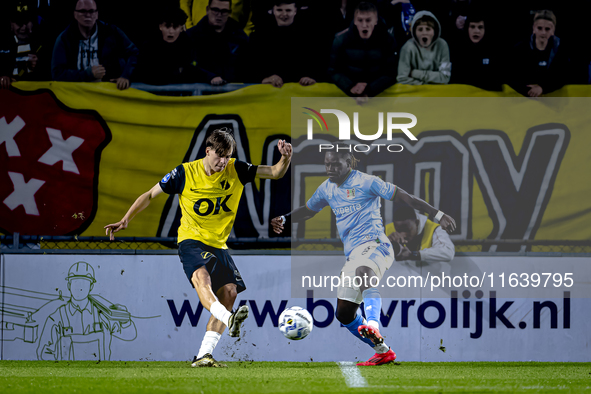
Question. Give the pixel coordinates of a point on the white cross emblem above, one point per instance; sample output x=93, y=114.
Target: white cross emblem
x=7, y=133
x=61, y=150
x=23, y=194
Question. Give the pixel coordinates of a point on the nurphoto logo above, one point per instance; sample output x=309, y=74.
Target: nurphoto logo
x=345, y=129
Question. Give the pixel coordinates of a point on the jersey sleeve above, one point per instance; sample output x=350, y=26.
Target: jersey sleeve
x=246, y=171
x=317, y=201
x=174, y=181
x=386, y=190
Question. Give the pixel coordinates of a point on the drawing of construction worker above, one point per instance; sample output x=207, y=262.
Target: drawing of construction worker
x=85, y=324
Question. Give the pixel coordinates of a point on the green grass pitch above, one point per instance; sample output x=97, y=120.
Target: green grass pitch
x=283, y=377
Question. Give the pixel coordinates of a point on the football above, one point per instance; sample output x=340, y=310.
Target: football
x=295, y=323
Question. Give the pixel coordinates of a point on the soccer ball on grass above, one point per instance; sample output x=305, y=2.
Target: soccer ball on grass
x=295, y=323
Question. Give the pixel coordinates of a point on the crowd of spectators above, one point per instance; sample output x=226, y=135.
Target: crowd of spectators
x=363, y=47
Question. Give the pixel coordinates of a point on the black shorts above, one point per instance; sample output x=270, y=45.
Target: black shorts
x=218, y=262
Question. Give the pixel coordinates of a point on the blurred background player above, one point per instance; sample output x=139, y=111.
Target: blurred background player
x=421, y=239
x=355, y=199
x=209, y=193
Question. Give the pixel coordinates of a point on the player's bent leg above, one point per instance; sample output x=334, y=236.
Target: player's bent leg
x=371, y=296
x=202, y=282
x=347, y=314
x=226, y=296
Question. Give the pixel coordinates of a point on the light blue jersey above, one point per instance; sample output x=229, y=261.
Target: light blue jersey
x=356, y=205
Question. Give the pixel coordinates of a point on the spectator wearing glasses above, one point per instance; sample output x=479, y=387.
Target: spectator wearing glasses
x=91, y=50
x=220, y=44
x=197, y=9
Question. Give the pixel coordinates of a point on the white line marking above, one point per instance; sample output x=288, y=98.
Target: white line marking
x=352, y=375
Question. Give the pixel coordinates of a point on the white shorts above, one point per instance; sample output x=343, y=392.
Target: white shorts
x=377, y=256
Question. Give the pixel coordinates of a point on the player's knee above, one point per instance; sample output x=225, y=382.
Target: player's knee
x=344, y=316
x=228, y=294
x=197, y=279
x=364, y=272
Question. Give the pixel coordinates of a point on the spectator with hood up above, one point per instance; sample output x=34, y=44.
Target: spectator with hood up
x=425, y=58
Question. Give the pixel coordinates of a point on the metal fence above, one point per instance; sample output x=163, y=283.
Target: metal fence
x=189, y=89
x=167, y=245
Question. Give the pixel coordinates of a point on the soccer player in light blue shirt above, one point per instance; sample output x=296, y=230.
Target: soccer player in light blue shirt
x=354, y=198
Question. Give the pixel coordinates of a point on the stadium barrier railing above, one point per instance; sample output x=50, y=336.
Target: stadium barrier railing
x=23, y=244
x=188, y=89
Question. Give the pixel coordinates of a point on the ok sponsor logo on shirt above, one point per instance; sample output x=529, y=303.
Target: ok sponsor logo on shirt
x=207, y=206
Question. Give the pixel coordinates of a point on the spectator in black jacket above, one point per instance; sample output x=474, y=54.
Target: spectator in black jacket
x=282, y=51
x=364, y=59
x=91, y=50
x=475, y=57
x=539, y=65
x=220, y=44
x=170, y=57
x=33, y=57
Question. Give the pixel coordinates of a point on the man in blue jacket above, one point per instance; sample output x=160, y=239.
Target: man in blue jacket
x=91, y=50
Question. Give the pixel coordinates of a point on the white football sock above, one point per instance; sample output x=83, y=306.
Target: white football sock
x=220, y=312
x=210, y=340
x=381, y=348
x=374, y=324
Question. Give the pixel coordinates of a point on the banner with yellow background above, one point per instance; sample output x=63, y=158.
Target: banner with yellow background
x=74, y=157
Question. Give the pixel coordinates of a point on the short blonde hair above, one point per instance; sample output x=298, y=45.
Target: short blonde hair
x=545, y=15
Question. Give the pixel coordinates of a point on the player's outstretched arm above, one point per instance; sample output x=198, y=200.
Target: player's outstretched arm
x=446, y=221
x=297, y=215
x=278, y=170
x=139, y=205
